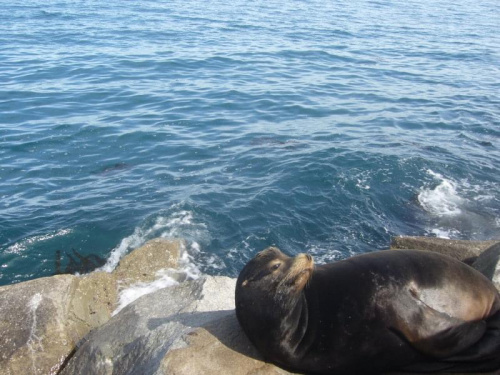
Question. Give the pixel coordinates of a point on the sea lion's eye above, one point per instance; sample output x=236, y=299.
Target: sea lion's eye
x=275, y=266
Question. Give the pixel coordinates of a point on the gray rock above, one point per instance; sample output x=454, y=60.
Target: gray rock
x=142, y=264
x=190, y=328
x=220, y=347
x=35, y=335
x=42, y=320
x=488, y=263
x=466, y=251
x=136, y=339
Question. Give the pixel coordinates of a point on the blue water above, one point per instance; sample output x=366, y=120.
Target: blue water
x=315, y=126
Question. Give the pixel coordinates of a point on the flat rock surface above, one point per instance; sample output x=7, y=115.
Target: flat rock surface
x=220, y=347
x=466, y=251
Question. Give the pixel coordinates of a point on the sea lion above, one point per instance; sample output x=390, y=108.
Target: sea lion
x=395, y=310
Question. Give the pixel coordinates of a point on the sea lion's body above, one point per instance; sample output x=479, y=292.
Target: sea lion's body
x=378, y=312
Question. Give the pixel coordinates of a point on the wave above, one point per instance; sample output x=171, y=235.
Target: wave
x=174, y=223
x=459, y=209
x=21, y=246
x=165, y=278
x=441, y=200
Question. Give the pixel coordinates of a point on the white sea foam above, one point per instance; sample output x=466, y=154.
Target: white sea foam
x=177, y=224
x=361, y=184
x=441, y=200
x=325, y=253
x=130, y=294
x=445, y=233
x=21, y=246
x=173, y=224
x=164, y=278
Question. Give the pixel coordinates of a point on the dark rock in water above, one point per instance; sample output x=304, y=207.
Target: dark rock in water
x=78, y=263
x=117, y=167
x=271, y=141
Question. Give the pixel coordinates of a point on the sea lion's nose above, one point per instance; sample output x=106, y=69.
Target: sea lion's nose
x=309, y=258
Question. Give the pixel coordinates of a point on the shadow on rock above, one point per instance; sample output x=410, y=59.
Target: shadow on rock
x=222, y=325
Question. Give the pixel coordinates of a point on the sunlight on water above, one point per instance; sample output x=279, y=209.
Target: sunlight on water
x=320, y=127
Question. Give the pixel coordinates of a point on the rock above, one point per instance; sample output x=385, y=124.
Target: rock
x=142, y=264
x=220, y=347
x=91, y=301
x=35, y=333
x=466, y=251
x=488, y=263
x=190, y=328
x=136, y=339
x=42, y=320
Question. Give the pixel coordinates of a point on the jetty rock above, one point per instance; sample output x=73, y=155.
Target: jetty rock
x=65, y=325
x=42, y=320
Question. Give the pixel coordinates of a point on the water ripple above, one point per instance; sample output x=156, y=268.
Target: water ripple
x=303, y=125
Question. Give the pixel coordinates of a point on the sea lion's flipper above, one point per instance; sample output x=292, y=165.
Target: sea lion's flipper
x=483, y=356
x=452, y=340
x=434, y=333
x=487, y=349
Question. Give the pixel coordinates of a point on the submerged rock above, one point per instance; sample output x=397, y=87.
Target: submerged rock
x=77, y=263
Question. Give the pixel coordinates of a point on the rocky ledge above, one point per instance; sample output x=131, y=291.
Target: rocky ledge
x=64, y=324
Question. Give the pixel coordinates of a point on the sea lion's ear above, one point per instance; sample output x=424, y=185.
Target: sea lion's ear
x=244, y=283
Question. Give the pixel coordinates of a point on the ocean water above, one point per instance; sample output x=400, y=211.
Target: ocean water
x=325, y=127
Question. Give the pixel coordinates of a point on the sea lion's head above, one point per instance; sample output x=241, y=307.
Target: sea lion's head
x=269, y=295
x=271, y=272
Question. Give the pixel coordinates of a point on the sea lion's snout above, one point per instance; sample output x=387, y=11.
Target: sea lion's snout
x=305, y=260
x=300, y=271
